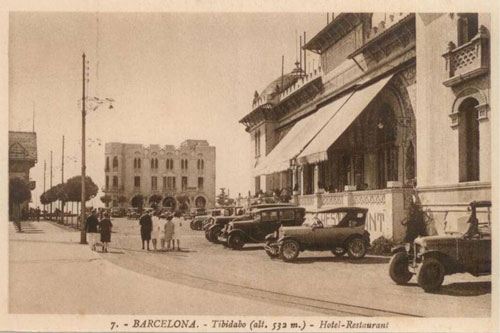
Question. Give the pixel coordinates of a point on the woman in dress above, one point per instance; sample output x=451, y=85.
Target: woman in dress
x=106, y=227
x=157, y=230
x=175, y=236
x=169, y=231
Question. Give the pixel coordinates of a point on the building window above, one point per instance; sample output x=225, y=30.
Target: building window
x=184, y=183
x=154, y=182
x=115, y=162
x=200, y=183
x=135, y=163
x=173, y=183
x=170, y=164
x=184, y=164
x=468, y=138
x=154, y=163
x=107, y=182
x=107, y=164
x=164, y=182
x=138, y=163
x=467, y=27
x=115, y=181
x=137, y=181
x=200, y=165
x=257, y=143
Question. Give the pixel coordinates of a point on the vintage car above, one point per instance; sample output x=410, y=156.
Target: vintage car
x=339, y=230
x=433, y=257
x=199, y=221
x=118, y=212
x=133, y=214
x=216, y=224
x=259, y=224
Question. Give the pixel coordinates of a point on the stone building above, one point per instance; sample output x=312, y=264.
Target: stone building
x=22, y=157
x=351, y=131
x=184, y=177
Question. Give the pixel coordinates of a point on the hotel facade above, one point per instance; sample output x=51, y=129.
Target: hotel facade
x=398, y=109
x=187, y=172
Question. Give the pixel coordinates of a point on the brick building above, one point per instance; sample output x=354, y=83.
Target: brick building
x=187, y=171
x=351, y=132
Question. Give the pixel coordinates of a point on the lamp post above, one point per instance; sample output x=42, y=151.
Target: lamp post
x=93, y=104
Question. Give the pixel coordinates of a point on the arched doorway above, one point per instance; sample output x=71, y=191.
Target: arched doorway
x=137, y=201
x=169, y=202
x=200, y=202
x=468, y=140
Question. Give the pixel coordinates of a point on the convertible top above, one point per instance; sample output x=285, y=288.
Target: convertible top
x=339, y=209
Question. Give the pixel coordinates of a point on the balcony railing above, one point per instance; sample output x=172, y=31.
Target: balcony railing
x=468, y=60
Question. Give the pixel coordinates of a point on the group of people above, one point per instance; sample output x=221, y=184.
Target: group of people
x=96, y=228
x=160, y=230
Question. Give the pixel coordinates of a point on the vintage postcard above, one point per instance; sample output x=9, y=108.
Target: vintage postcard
x=229, y=166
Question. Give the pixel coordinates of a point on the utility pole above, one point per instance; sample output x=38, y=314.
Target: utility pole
x=62, y=179
x=83, y=235
x=51, y=181
x=44, y=174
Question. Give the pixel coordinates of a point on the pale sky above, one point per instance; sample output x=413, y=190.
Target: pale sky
x=173, y=76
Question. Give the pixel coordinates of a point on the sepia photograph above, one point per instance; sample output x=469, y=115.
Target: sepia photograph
x=276, y=169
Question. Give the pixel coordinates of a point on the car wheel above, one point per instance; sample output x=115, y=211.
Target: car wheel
x=338, y=251
x=430, y=274
x=236, y=241
x=289, y=250
x=207, y=235
x=213, y=235
x=356, y=248
x=398, y=268
x=273, y=252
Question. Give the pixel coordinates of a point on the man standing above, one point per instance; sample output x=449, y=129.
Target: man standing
x=91, y=225
x=146, y=227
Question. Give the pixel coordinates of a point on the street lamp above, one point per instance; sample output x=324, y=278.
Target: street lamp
x=88, y=104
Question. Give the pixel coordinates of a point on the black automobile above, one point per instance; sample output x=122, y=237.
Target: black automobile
x=260, y=223
x=431, y=258
x=215, y=225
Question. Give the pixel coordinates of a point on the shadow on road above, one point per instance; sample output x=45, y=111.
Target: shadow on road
x=345, y=260
x=462, y=289
x=252, y=248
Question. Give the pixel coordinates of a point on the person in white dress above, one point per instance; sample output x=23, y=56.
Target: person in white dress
x=175, y=237
x=156, y=234
x=161, y=232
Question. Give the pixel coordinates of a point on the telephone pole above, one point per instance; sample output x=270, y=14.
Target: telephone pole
x=44, y=174
x=51, y=181
x=62, y=179
x=83, y=235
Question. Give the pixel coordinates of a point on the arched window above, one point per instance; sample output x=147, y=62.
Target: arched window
x=186, y=164
x=135, y=163
x=198, y=165
x=115, y=181
x=156, y=163
x=202, y=164
x=107, y=182
x=152, y=163
x=115, y=162
x=468, y=140
x=107, y=163
x=139, y=163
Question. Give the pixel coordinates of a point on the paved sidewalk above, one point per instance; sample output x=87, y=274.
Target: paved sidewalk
x=50, y=272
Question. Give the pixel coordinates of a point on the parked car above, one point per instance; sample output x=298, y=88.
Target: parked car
x=133, y=214
x=259, y=224
x=430, y=258
x=339, y=230
x=118, y=212
x=198, y=222
x=215, y=224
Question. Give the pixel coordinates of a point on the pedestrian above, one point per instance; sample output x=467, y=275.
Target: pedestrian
x=37, y=212
x=105, y=226
x=146, y=227
x=161, y=231
x=156, y=234
x=176, y=220
x=91, y=227
x=169, y=231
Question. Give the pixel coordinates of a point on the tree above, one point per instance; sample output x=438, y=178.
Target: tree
x=73, y=188
x=122, y=199
x=183, y=201
x=19, y=192
x=106, y=199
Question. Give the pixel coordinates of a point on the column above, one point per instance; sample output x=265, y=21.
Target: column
x=316, y=178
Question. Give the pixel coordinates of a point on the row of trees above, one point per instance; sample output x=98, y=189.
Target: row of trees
x=70, y=191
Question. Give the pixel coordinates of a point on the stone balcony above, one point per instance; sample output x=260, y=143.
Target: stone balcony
x=386, y=207
x=469, y=60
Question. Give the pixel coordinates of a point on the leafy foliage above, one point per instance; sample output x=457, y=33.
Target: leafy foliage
x=19, y=191
x=137, y=201
x=106, y=199
x=381, y=246
x=415, y=222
